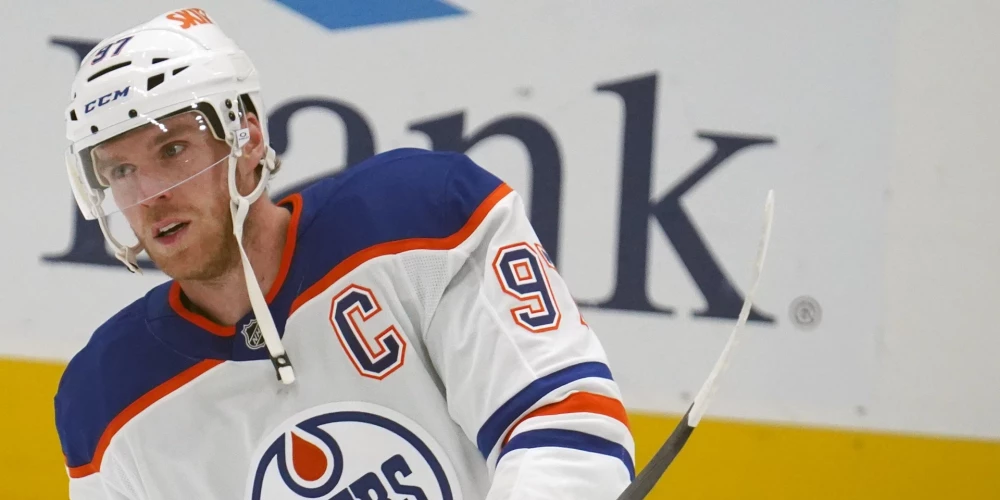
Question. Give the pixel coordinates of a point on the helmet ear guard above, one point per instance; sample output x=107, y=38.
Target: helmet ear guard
x=82, y=192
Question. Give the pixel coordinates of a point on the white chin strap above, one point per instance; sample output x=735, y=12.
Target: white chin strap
x=127, y=255
x=240, y=207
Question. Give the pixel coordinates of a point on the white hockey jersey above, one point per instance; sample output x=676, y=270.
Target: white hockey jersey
x=438, y=354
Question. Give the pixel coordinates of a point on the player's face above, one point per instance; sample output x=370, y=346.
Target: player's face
x=185, y=228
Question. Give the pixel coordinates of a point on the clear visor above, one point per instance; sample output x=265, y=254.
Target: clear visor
x=146, y=162
x=123, y=169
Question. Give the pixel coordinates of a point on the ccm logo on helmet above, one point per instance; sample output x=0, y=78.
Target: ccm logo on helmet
x=105, y=99
x=189, y=17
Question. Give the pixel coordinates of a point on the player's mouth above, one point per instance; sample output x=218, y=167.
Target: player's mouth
x=169, y=232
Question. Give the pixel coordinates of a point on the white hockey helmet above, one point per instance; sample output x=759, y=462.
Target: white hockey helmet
x=176, y=62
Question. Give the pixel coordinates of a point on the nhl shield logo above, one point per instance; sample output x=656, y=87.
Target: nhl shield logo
x=350, y=451
x=253, y=335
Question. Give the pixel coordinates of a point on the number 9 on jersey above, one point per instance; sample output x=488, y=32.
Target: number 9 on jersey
x=522, y=275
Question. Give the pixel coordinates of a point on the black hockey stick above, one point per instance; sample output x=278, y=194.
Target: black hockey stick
x=646, y=479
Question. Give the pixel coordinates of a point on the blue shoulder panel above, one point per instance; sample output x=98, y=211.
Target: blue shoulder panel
x=119, y=364
x=402, y=194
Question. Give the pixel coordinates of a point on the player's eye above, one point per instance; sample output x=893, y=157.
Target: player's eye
x=119, y=172
x=173, y=149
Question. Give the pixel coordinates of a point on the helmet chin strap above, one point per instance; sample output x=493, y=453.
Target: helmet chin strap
x=126, y=254
x=129, y=256
x=240, y=207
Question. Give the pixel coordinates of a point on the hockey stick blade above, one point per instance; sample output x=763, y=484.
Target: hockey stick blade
x=658, y=465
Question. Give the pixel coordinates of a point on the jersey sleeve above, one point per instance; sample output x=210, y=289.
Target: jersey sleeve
x=525, y=376
x=100, y=383
x=85, y=483
x=93, y=487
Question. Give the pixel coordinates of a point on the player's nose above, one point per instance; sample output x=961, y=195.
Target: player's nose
x=152, y=190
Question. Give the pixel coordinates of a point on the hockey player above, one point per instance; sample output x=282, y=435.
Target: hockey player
x=394, y=332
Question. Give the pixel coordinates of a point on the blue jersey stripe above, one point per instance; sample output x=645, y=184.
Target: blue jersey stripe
x=562, y=438
x=505, y=416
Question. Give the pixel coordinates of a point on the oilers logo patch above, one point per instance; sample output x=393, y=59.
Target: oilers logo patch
x=351, y=451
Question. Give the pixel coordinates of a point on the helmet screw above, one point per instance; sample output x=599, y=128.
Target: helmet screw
x=93, y=129
x=229, y=104
x=232, y=116
x=132, y=113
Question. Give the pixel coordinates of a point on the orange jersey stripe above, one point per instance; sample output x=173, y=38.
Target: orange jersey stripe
x=193, y=317
x=286, y=254
x=580, y=402
x=136, y=408
x=395, y=247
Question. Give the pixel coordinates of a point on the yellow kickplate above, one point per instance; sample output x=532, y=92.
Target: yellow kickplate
x=723, y=460
x=730, y=460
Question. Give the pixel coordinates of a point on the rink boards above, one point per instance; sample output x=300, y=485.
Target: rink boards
x=723, y=459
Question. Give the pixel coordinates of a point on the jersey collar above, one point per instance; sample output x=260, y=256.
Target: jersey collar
x=195, y=335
